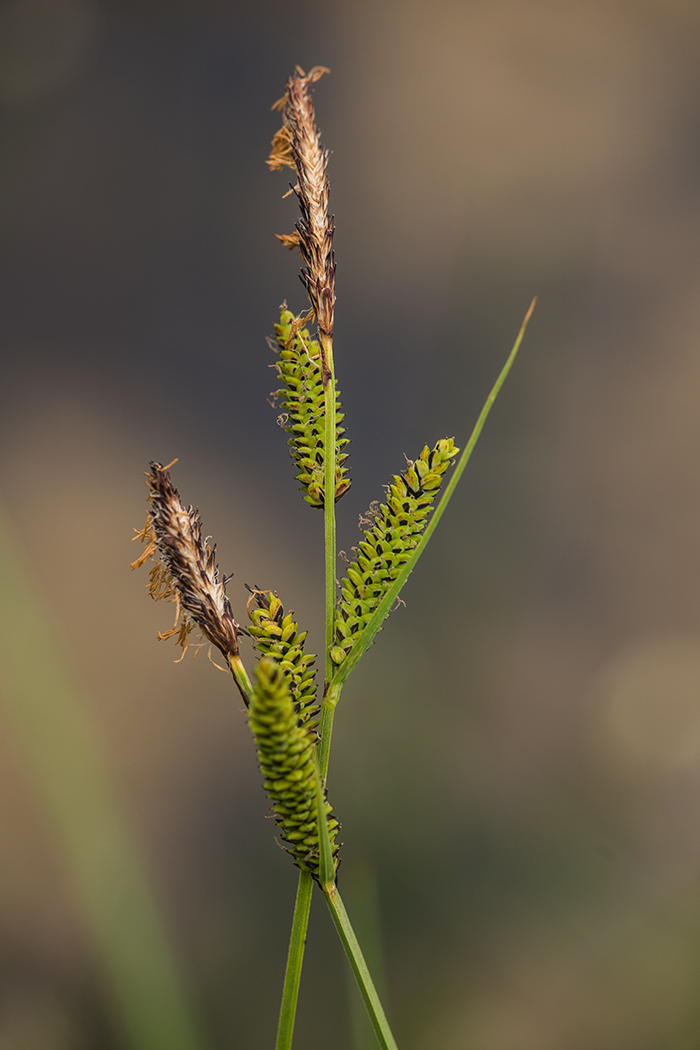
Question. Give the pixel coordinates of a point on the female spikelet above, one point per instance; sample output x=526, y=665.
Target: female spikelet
x=388, y=544
x=287, y=757
x=302, y=401
x=276, y=635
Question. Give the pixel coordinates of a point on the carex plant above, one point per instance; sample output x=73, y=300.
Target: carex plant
x=289, y=715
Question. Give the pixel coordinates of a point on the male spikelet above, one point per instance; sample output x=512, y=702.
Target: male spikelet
x=287, y=758
x=276, y=635
x=184, y=570
x=387, y=546
x=297, y=145
x=302, y=400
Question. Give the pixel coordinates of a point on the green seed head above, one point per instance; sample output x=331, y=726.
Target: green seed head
x=287, y=757
x=276, y=634
x=394, y=530
x=301, y=399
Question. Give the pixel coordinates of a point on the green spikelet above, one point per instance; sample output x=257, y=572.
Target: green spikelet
x=287, y=757
x=278, y=636
x=301, y=399
x=396, y=528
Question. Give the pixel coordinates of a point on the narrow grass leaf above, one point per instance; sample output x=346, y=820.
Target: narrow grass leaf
x=384, y=608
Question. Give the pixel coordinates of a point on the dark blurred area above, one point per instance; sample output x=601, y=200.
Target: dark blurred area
x=516, y=763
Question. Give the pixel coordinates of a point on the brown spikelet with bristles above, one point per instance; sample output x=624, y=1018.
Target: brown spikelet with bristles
x=298, y=145
x=185, y=570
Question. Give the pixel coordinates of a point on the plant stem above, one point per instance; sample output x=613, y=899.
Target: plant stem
x=240, y=677
x=384, y=608
x=330, y=695
x=326, y=865
x=329, y=497
x=328, y=706
x=330, y=700
x=359, y=968
x=295, y=958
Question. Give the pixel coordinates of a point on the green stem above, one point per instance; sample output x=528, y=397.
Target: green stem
x=295, y=958
x=326, y=865
x=328, y=706
x=359, y=968
x=330, y=700
x=384, y=608
x=240, y=677
x=330, y=697
x=329, y=497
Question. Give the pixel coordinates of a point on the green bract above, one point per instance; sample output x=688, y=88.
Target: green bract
x=287, y=756
x=302, y=401
x=387, y=546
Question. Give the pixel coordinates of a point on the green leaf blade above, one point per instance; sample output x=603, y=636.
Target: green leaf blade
x=370, y=631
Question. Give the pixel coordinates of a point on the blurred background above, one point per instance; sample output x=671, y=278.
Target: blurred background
x=516, y=762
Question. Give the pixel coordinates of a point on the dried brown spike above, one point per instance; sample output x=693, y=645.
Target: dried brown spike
x=185, y=569
x=297, y=144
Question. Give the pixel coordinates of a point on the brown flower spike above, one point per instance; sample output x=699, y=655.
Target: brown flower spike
x=185, y=571
x=297, y=145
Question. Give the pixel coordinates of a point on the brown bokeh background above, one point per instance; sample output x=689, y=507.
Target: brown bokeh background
x=517, y=761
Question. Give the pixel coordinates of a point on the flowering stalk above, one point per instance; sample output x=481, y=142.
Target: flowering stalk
x=297, y=145
x=292, y=741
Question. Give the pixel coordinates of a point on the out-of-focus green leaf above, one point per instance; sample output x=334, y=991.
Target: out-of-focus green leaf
x=140, y=975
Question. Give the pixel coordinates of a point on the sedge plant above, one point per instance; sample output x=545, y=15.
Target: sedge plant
x=290, y=718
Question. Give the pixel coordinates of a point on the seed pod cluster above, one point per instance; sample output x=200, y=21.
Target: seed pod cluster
x=394, y=533
x=302, y=402
x=286, y=753
x=276, y=635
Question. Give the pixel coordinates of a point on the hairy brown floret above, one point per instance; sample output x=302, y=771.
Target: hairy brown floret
x=298, y=145
x=185, y=569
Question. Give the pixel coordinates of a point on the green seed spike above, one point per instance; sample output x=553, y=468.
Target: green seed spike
x=287, y=757
x=396, y=528
x=302, y=403
x=278, y=636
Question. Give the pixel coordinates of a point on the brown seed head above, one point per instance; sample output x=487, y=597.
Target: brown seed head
x=185, y=570
x=298, y=145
